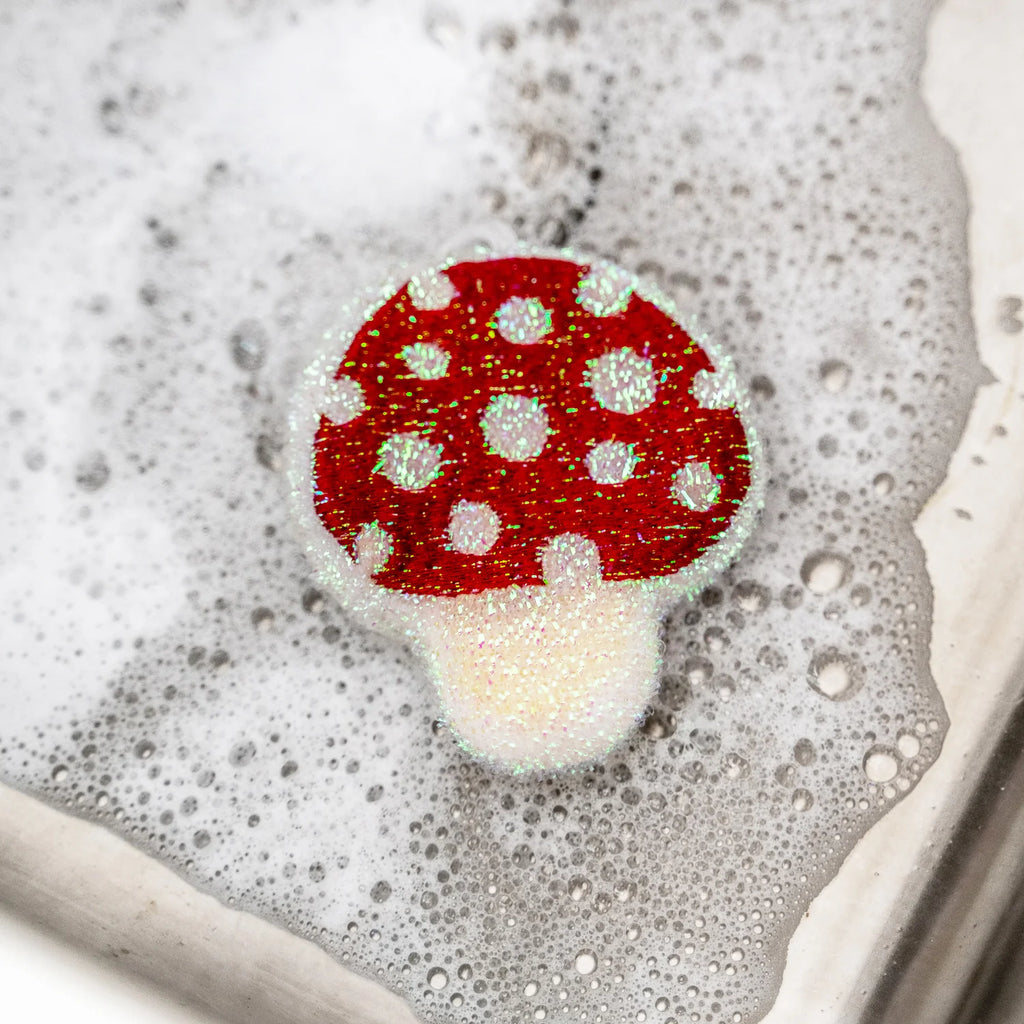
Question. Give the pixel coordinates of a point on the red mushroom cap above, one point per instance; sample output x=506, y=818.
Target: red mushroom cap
x=532, y=400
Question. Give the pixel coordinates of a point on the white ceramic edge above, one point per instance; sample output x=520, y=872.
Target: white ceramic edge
x=111, y=900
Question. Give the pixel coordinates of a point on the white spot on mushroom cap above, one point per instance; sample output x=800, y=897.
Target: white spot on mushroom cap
x=713, y=390
x=409, y=461
x=605, y=289
x=473, y=528
x=343, y=401
x=373, y=547
x=426, y=360
x=515, y=426
x=611, y=462
x=431, y=290
x=570, y=560
x=622, y=381
x=696, y=486
x=523, y=321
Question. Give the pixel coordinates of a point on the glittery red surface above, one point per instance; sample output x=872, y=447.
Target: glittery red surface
x=639, y=528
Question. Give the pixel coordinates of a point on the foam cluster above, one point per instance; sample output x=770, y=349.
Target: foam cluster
x=175, y=670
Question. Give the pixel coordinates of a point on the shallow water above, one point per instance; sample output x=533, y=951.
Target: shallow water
x=187, y=195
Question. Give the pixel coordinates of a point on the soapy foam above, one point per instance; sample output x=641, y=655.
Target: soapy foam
x=182, y=679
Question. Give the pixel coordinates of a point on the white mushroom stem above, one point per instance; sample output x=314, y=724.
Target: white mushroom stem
x=543, y=677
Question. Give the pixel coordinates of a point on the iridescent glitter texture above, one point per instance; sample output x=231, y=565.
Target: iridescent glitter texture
x=520, y=463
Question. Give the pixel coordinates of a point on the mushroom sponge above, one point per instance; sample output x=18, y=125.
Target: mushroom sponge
x=520, y=463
